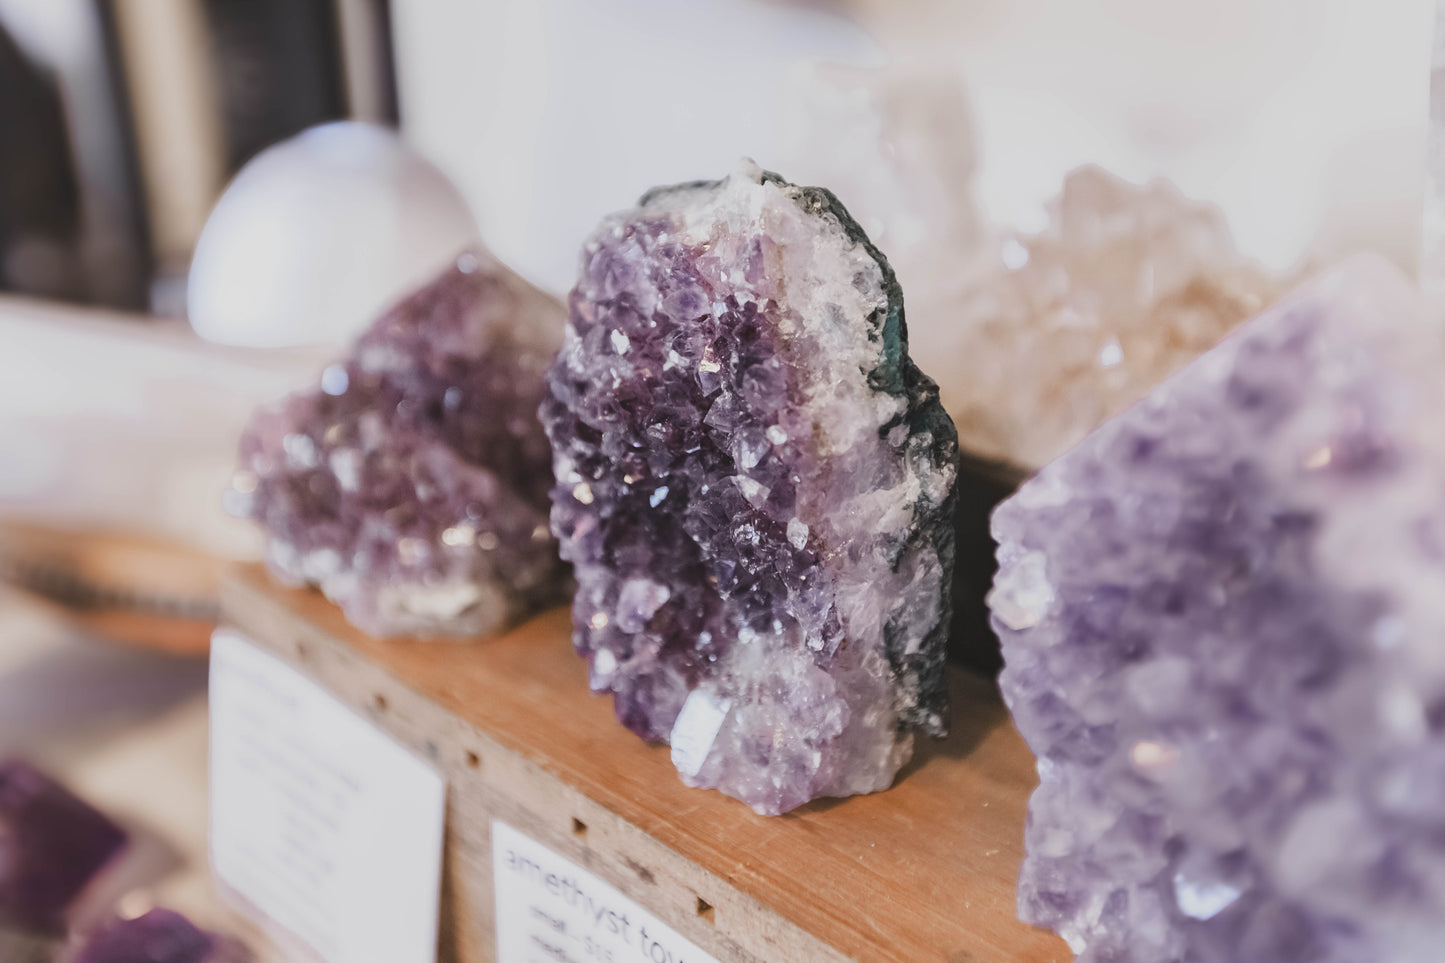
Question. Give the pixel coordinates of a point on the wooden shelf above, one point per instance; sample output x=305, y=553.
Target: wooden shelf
x=922, y=873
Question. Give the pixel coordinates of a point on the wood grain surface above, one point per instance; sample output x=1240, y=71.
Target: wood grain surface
x=922, y=873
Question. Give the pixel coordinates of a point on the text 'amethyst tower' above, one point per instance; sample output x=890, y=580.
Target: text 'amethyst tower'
x=755, y=484
x=1223, y=623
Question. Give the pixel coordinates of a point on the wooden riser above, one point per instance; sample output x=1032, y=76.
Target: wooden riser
x=922, y=873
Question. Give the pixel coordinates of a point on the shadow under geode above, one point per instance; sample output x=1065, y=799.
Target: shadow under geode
x=982, y=484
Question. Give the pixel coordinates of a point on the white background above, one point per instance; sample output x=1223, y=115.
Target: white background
x=1304, y=119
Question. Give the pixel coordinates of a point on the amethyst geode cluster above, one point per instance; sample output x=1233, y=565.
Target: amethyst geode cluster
x=1223, y=619
x=411, y=485
x=755, y=484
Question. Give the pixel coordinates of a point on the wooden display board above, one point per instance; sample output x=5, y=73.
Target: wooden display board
x=922, y=873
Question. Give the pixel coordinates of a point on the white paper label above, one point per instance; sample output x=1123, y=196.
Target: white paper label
x=320, y=820
x=550, y=910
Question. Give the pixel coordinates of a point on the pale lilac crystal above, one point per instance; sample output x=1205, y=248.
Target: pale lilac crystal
x=755, y=484
x=1223, y=621
x=52, y=847
x=411, y=485
x=160, y=936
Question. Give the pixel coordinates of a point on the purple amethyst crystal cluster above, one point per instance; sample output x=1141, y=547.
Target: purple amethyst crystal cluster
x=411, y=485
x=755, y=484
x=1222, y=617
x=160, y=936
x=52, y=847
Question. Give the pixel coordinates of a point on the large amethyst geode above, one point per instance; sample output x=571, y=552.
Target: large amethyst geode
x=411, y=486
x=755, y=484
x=1223, y=621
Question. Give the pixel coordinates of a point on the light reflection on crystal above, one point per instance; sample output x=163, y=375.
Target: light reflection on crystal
x=1203, y=900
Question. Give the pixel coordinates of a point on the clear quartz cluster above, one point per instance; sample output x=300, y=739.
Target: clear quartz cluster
x=755, y=485
x=1050, y=334
x=1223, y=621
x=410, y=486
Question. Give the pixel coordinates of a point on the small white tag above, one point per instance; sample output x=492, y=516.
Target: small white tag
x=318, y=819
x=695, y=730
x=550, y=910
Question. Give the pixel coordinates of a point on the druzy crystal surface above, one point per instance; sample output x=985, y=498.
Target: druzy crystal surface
x=1222, y=617
x=755, y=485
x=1051, y=333
x=52, y=845
x=160, y=936
x=411, y=485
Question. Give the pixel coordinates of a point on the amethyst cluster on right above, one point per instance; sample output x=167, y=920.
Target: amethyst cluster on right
x=1223, y=622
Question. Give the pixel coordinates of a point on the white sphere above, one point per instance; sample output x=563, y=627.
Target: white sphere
x=319, y=234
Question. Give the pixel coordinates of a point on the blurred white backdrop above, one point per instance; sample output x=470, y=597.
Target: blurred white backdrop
x=1304, y=121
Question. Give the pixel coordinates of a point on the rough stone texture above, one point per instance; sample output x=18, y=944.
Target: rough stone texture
x=1052, y=333
x=755, y=485
x=160, y=936
x=411, y=485
x=1222, y=617
x=52, y=845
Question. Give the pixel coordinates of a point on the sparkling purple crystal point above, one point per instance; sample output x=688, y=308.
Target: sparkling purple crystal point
x=160, y=936
x=52, y=847
x=755, y=484
x=411, y=485
x=1223, y=621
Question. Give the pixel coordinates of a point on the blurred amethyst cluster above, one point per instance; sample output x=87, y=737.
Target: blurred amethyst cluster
x=1222, y=617
x=52, y=848
x=755, y=484
x=411, y=485
x=160, y=936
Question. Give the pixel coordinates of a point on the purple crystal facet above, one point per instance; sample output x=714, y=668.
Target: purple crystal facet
x=160, y=936
x=1222, y=620
x=411, y=486
x=755, y=484
x=52, y=845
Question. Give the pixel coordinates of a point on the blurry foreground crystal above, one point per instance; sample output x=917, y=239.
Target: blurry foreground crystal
x=755, y=484
x=1057, y=331
x=411, y=485
x=53, y=847
x=160, y=936
x=1222, y=617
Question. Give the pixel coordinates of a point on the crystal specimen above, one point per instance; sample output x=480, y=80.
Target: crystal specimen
x=411, y=486
x=1222, y=618
x=1055, y=332
x=755, y=484
x=160, y=936
x=52, y=846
